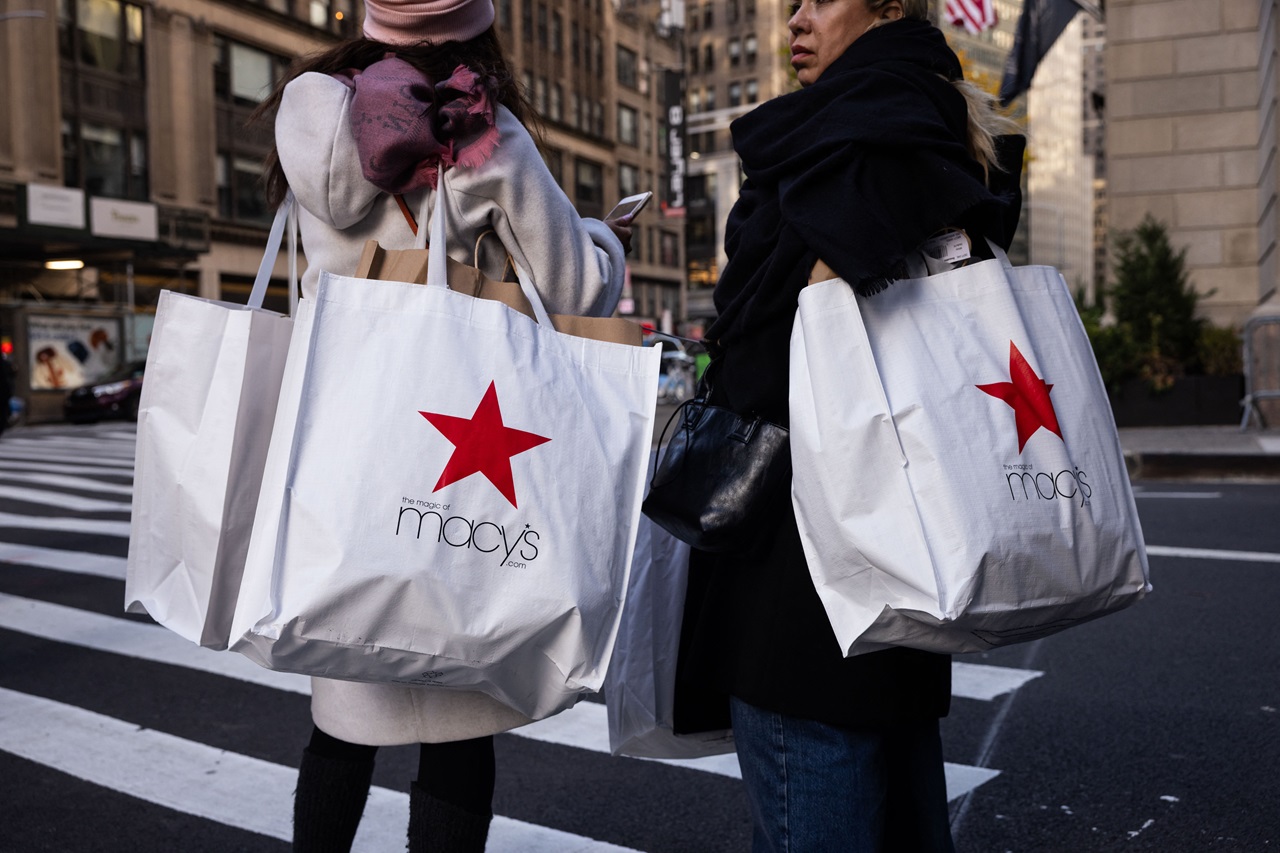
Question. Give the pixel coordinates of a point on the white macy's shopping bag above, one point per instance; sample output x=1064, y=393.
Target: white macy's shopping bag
x=204, y=422
x=451, y=497
x=639, y=691
x=958, y=480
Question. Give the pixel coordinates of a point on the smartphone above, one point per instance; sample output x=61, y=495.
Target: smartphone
x=629, y=206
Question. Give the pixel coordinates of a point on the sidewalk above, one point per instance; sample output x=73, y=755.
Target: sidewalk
x=1201, y=452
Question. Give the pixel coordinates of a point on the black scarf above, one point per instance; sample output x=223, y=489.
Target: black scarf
x=857, y=169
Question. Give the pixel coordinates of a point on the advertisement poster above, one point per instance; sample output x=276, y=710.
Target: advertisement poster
x=67, y=352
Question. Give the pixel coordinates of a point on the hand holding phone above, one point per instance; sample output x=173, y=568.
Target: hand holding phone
x=629, y=206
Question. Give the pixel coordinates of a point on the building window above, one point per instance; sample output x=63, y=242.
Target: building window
x=240, y=195
x=503, y=14
x=103, y=34
x=735, y=94
x=628, y=65
x=540, y=96
x=588, y=188
x=753, y=91
x=628, y=180
x=575, y=43
x=750, y=47
x=708, y=16
x=733, y=11
x=526, y=21
x=526, y=83
x=597, y=55
x=557, y=33
x=669, y=248
x=557, y=102
x=543, y=40
x=709, y=57
x=693, y=60
x=711, y=100
x=628, y=126
x=575, y=111
x=695, y=101
x=735, y=51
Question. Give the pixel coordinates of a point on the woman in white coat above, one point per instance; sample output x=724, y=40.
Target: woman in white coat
x=362, y=132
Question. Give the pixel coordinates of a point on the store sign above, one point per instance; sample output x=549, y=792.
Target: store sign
x=129, y=220
x=56, y=206
x=673, y=204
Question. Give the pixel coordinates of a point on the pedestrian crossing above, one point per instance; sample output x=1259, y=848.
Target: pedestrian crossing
x=50, y=478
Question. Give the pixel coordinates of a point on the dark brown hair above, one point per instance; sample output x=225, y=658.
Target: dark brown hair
x=482, y=54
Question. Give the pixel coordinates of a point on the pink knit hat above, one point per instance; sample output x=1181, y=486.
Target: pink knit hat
x=436, y=21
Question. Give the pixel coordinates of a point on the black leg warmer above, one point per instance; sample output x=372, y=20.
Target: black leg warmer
x=333, y=785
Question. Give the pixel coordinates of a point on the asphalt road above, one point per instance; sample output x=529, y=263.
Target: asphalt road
x=1153, y=729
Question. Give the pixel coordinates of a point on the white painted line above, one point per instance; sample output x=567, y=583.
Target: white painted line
x=82, y=484
x=62, y=500
x=226, y=787
x=53, y=468
x=1269, y=444
x=1181, y=495
x=96, y=446
x=585, y=726
x=66, y=525
x=1210, y=554
x=984, y=682
x=80, y=562
x=96, y=459
x=139, y=640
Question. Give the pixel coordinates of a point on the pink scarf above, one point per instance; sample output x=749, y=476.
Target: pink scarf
x=407, y=128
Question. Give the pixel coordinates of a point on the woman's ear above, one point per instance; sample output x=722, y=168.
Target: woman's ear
x=891, y=11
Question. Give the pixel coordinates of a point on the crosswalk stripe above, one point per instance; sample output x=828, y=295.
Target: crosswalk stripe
x=83, y=562
x=1209, y=554
x=215, y=784
x=80, y=484
x=102, y=446
x=98, y=461
x=10, y=465
x=985, y=682
x=62, y=500
x=140, y=640
x=66, y=525
x=585, y=726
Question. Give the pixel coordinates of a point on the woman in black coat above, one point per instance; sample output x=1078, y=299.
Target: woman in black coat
x=883, y=146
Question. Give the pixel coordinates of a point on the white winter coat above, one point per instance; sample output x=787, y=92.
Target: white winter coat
x=576, y=265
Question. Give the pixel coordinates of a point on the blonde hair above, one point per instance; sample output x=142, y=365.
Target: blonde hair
x=986, y=122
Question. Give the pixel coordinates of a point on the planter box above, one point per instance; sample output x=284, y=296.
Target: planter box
x=1192, y=401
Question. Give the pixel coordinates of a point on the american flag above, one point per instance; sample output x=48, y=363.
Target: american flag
x=974, y=15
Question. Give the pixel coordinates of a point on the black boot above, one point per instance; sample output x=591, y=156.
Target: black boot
x=329, y=802
x=436, y=826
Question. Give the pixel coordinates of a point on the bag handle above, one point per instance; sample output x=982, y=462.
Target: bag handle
x=437, y=271
x=286, y=216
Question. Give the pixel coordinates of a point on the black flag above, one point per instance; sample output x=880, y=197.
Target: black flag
x=1041, y=23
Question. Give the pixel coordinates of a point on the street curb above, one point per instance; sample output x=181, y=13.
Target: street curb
x=1202, y=466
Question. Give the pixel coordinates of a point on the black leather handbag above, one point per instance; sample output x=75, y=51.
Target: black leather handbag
x=715, y=482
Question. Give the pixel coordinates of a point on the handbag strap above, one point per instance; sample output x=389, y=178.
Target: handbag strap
x=286, y=217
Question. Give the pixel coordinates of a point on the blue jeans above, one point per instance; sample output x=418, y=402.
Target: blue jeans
x=816, y=788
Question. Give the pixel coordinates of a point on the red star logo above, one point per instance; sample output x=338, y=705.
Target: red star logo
x=1028, y=394
x=482, y=444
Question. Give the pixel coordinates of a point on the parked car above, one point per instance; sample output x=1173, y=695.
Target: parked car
x=112, y=396
x=679, y=377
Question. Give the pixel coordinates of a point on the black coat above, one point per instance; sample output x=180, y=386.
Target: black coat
x=857, y=170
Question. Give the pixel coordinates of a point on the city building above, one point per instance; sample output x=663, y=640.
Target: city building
x=736, y=56
x=1192, y=140
x=127, y=165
